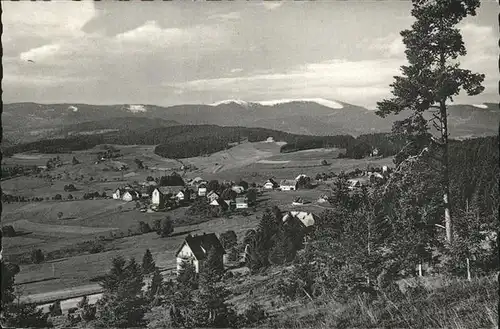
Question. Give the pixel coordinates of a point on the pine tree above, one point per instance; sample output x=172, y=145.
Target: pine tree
x=123, y=303
x=187, y=276
x=156, y=284
x=148, y=264
x=211, y=309
x=212, y=269
x=277, y=253
x=433, y=77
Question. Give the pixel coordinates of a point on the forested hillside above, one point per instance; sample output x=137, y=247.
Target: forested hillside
x=181, y=141
x=475, y=175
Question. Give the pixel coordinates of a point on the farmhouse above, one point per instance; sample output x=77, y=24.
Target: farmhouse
x=194, y=250
x=241, y=203
x=238, y=189
x=300, y=176
x=119, y=192
x=162, y=193
x=288, y=185
x=131, y=195
x=211, y=196
x=355, y=183
x=202, y=189
x=307, y=219
x=270, y=184
x=196, y=181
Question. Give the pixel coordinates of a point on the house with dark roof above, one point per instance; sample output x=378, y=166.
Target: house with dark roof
x=270, y=184
x=195, y=249
x=162, y=193
x=288, y=185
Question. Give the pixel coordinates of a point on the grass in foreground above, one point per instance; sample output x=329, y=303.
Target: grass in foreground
x=459, y=304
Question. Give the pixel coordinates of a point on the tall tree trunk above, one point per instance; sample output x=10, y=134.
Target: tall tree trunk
x=446, y=178
x=444, y=141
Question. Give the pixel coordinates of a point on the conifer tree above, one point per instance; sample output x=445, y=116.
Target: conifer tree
x=156, y=283
x=148, y=264
x=123, y=303
x=213, y=268
x=432, y=78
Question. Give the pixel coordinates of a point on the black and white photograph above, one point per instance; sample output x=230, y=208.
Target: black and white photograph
x=250, y=164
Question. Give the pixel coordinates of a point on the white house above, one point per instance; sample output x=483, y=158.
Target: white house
x=288, y=185
x=117, y=194
x=306, y=218
x=194, y=250
x=131, y=195
x=238, y=189
x=270, y=184
x=211, y=196
x=355, y=183
x=202, y=189
x=241, y=203
x=300, y=176
x=160, y=194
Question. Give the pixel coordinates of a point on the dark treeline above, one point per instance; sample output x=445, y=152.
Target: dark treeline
x=181, y=141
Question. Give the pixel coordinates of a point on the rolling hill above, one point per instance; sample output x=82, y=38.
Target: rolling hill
x=27, y=122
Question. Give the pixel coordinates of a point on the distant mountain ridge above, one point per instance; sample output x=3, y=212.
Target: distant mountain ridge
x=26, y=122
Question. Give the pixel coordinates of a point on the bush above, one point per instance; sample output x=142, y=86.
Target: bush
x=166, y=227
x=144, y=227
x=37, y=256
x=20, y=315
x=254, y=314
x=8, y=231
x=87, y=311
x=55, y=308
x=57, y=197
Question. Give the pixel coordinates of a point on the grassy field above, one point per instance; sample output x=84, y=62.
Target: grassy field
x=87, y=220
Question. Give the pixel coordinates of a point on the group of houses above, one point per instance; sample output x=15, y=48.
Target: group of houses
x=283, y=185
x=195, y=248
x=165, y=197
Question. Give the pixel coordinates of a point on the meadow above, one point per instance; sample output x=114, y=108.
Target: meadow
x=61, y=227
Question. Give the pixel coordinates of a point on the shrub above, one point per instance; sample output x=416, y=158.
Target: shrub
x=166, y=227
x=37, y=256
x=144, y=227
x=55, y=308
x=60, y=215
x=87, y=311
x=57, y=197
x=254, y=314
x=8, y=231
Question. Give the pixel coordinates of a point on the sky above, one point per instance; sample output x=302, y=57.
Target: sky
x=168, y=53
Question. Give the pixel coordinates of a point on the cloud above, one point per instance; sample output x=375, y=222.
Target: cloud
x=40, y=53
x=152, y=34
x=47, y=19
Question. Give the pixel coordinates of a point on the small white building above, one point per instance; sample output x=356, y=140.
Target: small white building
x=117, y=194
x=162, y=193
x=306, y=218
x=300, y=176
x=202, y=189
x=242, y=203
x=288, y=185
x=211, y=196
x=270, y=184
x=238, y=189
x=194, y=250
x=131, y=195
